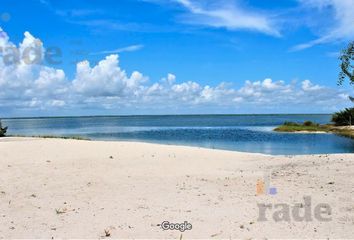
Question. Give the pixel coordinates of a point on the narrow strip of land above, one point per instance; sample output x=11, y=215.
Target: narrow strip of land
x=310, y=127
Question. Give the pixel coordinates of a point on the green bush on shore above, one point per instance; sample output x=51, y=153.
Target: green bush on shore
x=343, y=118
x=306, y=126
x=294, y=124
x=2, y=130
x=309, y=126
x=309, y=123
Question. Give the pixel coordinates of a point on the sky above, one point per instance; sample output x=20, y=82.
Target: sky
x=63, y=58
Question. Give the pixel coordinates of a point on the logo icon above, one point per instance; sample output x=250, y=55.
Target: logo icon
x=263, y=185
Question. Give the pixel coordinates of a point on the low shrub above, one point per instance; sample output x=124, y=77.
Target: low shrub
x=291, y=124
x=309, y=123
x=2, y=130
x=343, y=118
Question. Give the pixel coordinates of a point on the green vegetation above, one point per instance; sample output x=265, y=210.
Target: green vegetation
x=309, y=127
x=343, y=118
x=2, y=130
x=62, y=137
x=53, y=136
x=347, y=67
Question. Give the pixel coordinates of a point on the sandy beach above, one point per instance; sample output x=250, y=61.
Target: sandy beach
x=56, y=188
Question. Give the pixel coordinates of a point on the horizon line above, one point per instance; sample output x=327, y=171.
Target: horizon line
x=167, y=115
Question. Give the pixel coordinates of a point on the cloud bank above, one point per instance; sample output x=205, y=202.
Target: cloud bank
x=36, y=88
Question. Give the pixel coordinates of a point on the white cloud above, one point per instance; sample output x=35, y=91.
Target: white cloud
x=171, y=78
x=330, y=20
x=57, y=103
x=22, y=83
x=131, y=48
x=32, y=87
x=308, y=86
x=262, y=88
x=227, y=15
x=104, y=79
x=341, y=13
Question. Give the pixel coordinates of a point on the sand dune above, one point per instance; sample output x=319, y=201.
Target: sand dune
x=86, y=189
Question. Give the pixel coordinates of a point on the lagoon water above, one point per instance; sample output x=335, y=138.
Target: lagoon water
x=247, y=133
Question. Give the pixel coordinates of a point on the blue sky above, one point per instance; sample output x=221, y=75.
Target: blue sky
x=232, y=56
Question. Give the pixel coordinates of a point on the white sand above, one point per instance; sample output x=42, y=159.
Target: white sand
x=145, y=184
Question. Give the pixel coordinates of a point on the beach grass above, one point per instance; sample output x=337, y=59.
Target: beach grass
x=304, y=127
x=345, y=131
x=53, y=136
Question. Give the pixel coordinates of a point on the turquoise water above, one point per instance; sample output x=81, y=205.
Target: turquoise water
x=248, y=133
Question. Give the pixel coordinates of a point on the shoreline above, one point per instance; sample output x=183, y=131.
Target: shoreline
x=80, y=189
x=305, y=132
x=79, y=138
x=23, y=138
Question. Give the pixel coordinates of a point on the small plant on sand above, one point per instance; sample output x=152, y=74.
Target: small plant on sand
x=60, y=211
x=107, y=233
x=3, y=130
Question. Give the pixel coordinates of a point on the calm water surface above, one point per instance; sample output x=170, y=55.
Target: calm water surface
x=248, y=133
